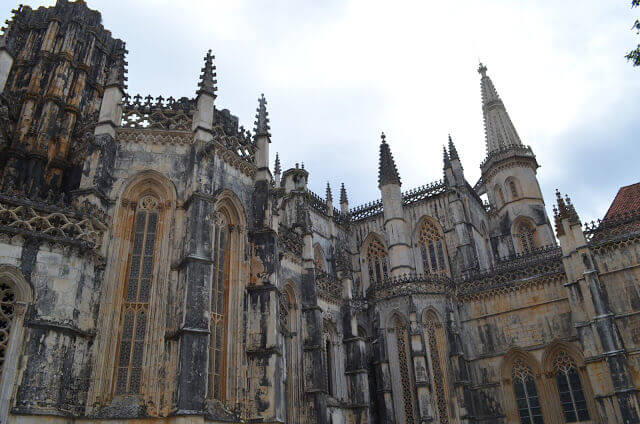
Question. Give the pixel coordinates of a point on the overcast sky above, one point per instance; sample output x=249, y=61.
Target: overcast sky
x=337, y=73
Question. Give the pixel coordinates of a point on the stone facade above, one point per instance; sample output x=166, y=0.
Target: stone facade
x=154, y=268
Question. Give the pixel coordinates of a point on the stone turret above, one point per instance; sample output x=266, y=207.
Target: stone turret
x=509, y=177
x=395, y=224
x=454, y=173
x=262, y=139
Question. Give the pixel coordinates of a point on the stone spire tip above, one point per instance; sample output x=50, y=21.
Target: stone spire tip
x=329, y=195
x=207, y=84
x=343, y=194
x=387, y=170
x=262, y=127
x=277, y=168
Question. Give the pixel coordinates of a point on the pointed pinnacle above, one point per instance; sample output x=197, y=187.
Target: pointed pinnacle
x=262, y=119
x=387, y=170
x=453, y=153
x=343, y=194
x=329, y=195
x=445, y=157
x=277, y=169
x=208, y=81
x=482, y=70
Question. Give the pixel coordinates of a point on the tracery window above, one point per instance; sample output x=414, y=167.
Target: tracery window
x=378, y=262
x=135, y=308
x=431, y=248
x=526, y=393
x=405, y=376
x=7, y=308
x=525, y=235
x=572, y=399
x=435, y=340
x=218, y=307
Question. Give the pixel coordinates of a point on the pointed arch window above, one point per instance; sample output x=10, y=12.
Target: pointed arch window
x=378, y=262
x=513, y=189
x=288, y=319
x=526, y=238
x=572, y=399
x=218, y=307
x=499, y=195
x=7, y=309
x=135, y=308
x=526, y=393
x=436, y=344
x=405, y=373
x=432, y=248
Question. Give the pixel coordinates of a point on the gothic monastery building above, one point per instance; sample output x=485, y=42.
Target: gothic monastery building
x=155, y=269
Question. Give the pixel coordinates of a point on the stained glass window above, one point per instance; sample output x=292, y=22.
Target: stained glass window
x=431, y=248
x=135, y=308
x=377, y=259
x=7, y=307
x=526, y=393
x=218, y=326
x=572, y=400
x=318, y=258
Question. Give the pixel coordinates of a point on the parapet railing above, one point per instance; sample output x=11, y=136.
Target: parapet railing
x=604, y=230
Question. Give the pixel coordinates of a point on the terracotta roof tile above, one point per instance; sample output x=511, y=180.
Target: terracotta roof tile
x=627, y=200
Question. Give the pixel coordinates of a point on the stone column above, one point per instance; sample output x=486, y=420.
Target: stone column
x=356, y=366
x=420, y=369
x=313, y=361
x=396, y=228
x=193, y=333
x=386, y=414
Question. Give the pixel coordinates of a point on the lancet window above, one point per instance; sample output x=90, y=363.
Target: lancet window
x=378, y=262
x=218, y=306
x=288, y=326
x=499, y=195
x=435, y=340
x=513, y=189
x=7, y=308
x=403, y=364
x=135, y=307
x=526, y=238
x=431, y=248
x=572, y=399
x=526, y=393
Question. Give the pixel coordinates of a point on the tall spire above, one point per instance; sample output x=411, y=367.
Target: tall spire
x=387, y=171
x=499, y=130
x=329, y=195
x=262, y=118
x=208, y=81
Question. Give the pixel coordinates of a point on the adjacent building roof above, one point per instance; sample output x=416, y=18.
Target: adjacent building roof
x=627, y=200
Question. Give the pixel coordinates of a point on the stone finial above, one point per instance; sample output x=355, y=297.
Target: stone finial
x=564, y=209
x=482, y=70
x=208, y=81
x=387, y=170
x=329, y=195
x=453, y=153
x=343, y=194
x=262, y=119
x=117, y=75
x=277, y=168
